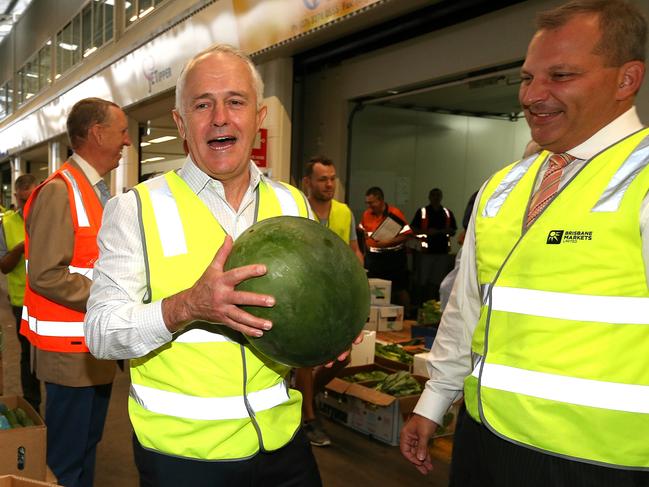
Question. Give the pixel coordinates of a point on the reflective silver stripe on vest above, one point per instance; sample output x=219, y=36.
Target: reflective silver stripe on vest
x=584, y=392
x=423, y=213
x=53, y=328
x=207, y=408
x=484, y=292
x=622, y=179
x=167, y=217
x=82, y=216
x=198, y=335
x=84, y=271
x=506, y=186
x=566, y=306
x=286, y=201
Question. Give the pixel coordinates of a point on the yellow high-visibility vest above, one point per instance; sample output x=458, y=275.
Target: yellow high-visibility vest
x=206, y=394
x=559, y=348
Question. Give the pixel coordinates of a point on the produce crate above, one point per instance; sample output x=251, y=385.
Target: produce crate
x=22, y=450
x=15, y=481
x=365, y=409
x=334, y=403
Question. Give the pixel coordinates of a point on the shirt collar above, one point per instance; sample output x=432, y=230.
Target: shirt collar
x=197, y=180
x=618, y=129
x=90, y=172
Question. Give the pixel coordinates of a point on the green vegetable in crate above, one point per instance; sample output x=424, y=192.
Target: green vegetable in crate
x=399, y=384
x=429, y=313
x=3, y=408
x=322, y=297
x=4, y=422
x=393, y=352
x=22, y=417
x=373, y=375
x=11, y=417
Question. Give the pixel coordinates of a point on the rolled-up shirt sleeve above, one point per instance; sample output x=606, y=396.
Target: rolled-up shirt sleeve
x=449, y=360
x=118, y=324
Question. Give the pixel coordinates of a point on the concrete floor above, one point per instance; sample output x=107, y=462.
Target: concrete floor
x=353, y=460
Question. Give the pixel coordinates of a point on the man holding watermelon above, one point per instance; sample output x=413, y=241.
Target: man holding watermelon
x=546, y=328
x=206, y=409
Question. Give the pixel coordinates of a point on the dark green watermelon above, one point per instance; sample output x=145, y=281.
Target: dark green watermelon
x=322, y=296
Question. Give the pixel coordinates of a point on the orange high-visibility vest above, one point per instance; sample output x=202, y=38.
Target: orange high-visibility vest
x=48, y=325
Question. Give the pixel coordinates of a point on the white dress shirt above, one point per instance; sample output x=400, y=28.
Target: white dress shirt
x=449, y=361
x=118, y=324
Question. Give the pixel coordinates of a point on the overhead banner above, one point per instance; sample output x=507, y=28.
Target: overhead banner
x=264, y=23
x=154, y=67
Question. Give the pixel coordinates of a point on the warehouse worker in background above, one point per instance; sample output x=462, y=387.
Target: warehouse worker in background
x=320, y=184
x=207, y=410
x=434, y=225
x=62, y=218
x=12, y=263
x=547, y=323
x=386, y=259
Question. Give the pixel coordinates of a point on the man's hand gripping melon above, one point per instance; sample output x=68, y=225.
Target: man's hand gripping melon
x=322, y=296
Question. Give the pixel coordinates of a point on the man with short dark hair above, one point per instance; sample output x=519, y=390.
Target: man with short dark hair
x=320, y=183
x=12, y=263
x=546, y=326
x=434, y=225
x=386, y=258
x=69, y=207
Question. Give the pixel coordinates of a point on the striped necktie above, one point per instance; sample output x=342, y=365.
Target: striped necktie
x=104, y=192
x=549, y=186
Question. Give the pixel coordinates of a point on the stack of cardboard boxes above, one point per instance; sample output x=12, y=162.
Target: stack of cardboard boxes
x=383, y=315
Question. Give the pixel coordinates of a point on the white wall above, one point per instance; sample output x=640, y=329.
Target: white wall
x=407, y=153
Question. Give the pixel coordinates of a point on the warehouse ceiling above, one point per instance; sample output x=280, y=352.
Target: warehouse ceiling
x=492, y=93
x=10, y=10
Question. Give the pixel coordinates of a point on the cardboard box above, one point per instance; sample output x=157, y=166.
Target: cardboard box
x=369, y=411
x=380, y=290
x=363, y=353
x=389, y=318
x=373, y=319
x=22, y=450
x=15, y=481
x=334, y=403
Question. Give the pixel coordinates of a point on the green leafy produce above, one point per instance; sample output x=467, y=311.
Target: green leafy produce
x=373, y=375
x=3, y=408
x=22, y=417
x=11, y=417
x=430, y=312
x=322, y=296
x=399, y=384
x=394, y=352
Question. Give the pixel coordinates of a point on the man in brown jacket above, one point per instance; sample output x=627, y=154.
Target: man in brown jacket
x=61, y=217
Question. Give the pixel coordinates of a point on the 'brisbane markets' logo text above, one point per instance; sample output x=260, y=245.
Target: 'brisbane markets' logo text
x=555, y=237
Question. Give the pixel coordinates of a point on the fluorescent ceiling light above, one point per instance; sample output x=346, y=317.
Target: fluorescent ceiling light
x=89, y=51
x=164, y=138
x=145, y=12
x=144, y=144
x=152, y=159
x=133, y=19
x=5, y=28
x=68, y=47
x=31, y=75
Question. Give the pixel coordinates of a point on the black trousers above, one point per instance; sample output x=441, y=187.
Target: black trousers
x=31, y=385
x=291, y=466
x=482, y=459
x=75, y=419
